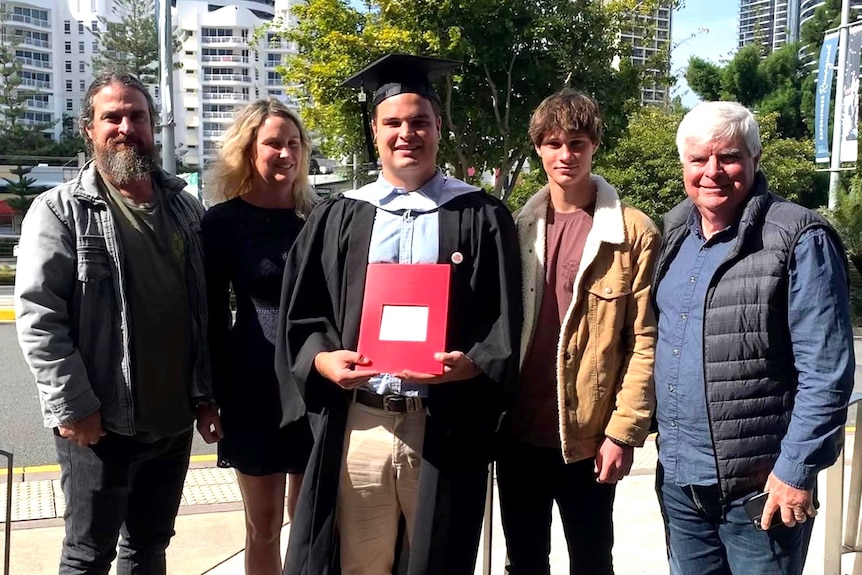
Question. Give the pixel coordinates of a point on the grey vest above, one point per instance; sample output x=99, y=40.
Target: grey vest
x=749, y=370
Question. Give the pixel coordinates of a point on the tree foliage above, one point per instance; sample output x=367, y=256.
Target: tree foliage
x=22, y=189
x=644, y=165
x=514, y=53
x=775, y=83
x=129, y=41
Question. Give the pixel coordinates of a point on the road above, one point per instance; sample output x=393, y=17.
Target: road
x=21, y=430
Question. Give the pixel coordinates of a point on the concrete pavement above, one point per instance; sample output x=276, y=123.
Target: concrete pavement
x=210, y=530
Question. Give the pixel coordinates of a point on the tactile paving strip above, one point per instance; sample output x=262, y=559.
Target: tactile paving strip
x=31, y=500
x=210, y=485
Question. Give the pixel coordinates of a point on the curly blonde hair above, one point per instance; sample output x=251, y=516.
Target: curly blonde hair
x=231, y=173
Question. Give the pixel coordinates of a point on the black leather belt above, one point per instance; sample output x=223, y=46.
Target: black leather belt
x=394, y=403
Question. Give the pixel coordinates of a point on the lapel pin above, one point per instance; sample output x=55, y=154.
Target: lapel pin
x=457, y=257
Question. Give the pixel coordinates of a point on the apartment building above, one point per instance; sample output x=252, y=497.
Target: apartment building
x=225, y=64
x=54, y=46
x=649, y=36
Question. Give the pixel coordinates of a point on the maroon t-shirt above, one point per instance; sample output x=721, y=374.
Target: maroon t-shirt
x=535, y=418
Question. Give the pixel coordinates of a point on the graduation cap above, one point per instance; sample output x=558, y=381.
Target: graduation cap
x=395, y=74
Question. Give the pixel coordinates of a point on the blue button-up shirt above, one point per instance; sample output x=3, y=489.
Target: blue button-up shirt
x=406, y=231
x=821, y=335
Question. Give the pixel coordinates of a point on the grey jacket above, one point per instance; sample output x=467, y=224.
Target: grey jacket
x=71, y=306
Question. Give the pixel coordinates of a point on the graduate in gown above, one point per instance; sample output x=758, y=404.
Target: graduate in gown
x=409, y=444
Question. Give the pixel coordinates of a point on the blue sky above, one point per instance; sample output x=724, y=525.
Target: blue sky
x=706, y=29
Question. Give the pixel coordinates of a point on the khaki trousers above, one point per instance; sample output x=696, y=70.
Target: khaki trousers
x=379, y=481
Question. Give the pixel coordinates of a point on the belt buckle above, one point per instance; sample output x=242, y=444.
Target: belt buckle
x=401, y=404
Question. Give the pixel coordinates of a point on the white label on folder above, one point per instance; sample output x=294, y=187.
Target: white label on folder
x=404, y=323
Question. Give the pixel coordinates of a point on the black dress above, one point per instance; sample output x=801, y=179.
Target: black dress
x=245, y=247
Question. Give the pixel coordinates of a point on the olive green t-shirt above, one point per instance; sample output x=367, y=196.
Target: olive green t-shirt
x=153, y=252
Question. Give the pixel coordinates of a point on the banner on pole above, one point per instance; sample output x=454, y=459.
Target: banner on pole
x=828, y=53
x=850, y=103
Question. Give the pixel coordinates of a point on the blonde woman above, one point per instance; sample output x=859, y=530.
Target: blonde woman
x=261, y=177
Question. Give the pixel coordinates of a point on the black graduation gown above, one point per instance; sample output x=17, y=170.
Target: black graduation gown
x=321, y=305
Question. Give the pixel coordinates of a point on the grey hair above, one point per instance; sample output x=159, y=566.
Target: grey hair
x=710, y=121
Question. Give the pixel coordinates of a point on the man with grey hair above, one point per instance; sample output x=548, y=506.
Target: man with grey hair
x=754, y=362
x=111, y=317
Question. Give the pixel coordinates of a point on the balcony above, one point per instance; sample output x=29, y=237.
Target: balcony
x=227, y=78
x=282, y=46
x=278, y=82
x=225, y=59
x=35, y=83
x=213, y=133
x=27, y=41
x=36, y=124
x=212, y=40
x=32, y=62
x=28, y=20
x=224, y=97
x=272, y=63
x=39, y=104
x=217, y=115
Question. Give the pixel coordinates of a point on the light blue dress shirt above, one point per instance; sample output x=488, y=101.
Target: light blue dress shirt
x=406, y=231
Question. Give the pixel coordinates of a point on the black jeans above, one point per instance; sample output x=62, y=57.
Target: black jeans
x=530, y=480
x=120, y=486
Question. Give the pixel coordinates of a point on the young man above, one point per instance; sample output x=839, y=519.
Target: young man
x=406, y=443
x=754, y=357
x=586, y=389
x=111, y=312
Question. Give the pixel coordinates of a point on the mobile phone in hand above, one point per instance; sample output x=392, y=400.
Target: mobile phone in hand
x=754, y=509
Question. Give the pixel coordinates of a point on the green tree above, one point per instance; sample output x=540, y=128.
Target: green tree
x=704, y=78
x=22, y=189
x=129, y=41
x=774, y=83
x=514, y=53
x=18, y=136
x=644, y=165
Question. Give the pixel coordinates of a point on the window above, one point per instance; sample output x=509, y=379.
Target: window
x=80, y=27
x=68, y=85
x=82, y=67
x=69, y=104
x=68, y=47
x=80, y=47
x=94, y=25
x=82, y=85
x=67, y=27
x=68, y=65
x=95, y=47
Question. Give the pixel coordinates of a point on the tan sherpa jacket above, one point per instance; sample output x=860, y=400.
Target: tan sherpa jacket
x=606, y=346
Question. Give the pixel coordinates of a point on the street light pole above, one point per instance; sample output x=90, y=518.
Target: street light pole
x=166, y=84
x=835, y=159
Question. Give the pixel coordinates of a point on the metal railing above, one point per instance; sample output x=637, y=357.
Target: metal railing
x=35, y=83
x=222, y=96
x=223, y=40
x=226, y=78
x=28, y=20
x=28, y=41
x=40, y=104
x=226, y=59
x=33, y=62
x=217, y=115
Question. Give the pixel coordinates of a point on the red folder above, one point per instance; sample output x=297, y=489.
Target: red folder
x=404, y=314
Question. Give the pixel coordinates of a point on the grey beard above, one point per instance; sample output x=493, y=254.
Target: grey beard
x=125, y=166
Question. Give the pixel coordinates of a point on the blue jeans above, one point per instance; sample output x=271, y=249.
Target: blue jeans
x=706, y=537
x=530, y=480
x=120, y=486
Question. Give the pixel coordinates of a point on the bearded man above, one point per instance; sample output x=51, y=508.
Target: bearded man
x=111, y=318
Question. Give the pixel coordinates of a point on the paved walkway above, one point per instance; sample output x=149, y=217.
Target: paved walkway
x=210, y=531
